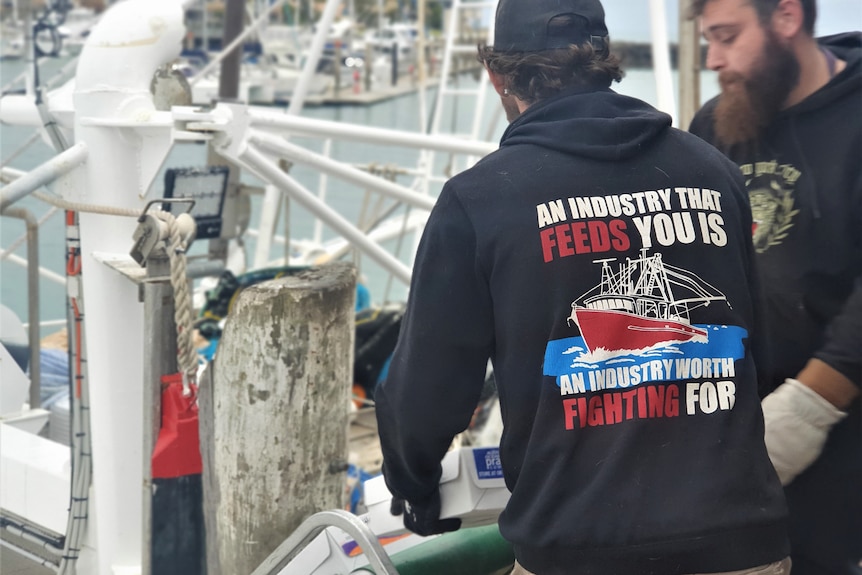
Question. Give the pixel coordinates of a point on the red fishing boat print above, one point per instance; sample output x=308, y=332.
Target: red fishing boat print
x=643, y=303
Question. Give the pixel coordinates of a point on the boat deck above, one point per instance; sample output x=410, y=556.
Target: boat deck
x=364, y=452
x=363, y=443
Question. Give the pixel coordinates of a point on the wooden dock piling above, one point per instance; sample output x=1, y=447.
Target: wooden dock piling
x=274, y=422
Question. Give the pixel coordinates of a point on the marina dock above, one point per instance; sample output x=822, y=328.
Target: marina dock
x=347, y=95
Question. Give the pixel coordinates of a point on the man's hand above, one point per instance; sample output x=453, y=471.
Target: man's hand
x=798, y=421
x=423, y=518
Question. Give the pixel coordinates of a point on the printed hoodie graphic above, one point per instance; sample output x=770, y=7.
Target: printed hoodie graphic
x=771, y=190
x=635, y=332
x=635, y=307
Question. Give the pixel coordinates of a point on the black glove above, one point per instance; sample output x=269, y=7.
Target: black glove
x=423, y=518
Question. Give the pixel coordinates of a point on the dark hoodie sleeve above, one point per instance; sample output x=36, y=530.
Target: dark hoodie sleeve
x=843, y=348
x=438, y=367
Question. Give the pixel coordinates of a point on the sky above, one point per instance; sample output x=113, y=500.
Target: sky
x=628, y=20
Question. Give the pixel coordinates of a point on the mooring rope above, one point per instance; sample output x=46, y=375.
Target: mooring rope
x=178, y=236
x=59, y=202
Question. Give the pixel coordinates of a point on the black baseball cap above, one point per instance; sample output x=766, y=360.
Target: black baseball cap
x=523, y=25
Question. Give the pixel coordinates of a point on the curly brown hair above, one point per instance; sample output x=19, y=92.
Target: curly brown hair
x=534, y=76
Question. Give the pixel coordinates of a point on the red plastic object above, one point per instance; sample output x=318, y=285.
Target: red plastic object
x=177, y=452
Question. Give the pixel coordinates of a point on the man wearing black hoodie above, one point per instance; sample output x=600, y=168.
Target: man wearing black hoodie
x=603, y=262
x=790, y=115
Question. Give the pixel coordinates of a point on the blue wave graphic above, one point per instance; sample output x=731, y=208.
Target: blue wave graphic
x=570, y=356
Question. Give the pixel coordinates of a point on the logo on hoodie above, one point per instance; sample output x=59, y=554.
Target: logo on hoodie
x=771, y=189
x=638, y=355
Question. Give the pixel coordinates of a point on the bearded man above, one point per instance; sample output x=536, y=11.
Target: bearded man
x=789, y=116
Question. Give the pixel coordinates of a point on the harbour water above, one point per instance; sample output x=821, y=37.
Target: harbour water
x=399, y=113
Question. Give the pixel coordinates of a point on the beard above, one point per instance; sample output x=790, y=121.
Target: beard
x=748, y=105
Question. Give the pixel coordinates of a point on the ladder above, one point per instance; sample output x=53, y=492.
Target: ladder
x=461, y=41
x=468, y=20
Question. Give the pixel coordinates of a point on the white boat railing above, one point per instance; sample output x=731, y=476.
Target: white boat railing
x=61, y=164
x=50, y=323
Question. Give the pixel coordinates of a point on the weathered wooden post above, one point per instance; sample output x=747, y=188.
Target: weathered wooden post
x=274, y=422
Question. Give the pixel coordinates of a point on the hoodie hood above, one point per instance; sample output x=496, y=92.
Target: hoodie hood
x=847, y=47
x=601, y=125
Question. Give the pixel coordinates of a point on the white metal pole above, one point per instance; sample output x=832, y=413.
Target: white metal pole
x=297, y=101
x=272, y=197
x=420, y=64
x=348, y=173
x=4, y=253
x=269, y=212
x=43, y=272
x=448, y=55
x=29, y=52
x=321, y=193
x=338, y=130
x=113, y=80
x=661, y=58
x=61, y=164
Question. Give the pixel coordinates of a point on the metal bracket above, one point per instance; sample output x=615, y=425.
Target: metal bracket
x=150, y=231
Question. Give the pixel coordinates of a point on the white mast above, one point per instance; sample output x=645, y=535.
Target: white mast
x=112, y=97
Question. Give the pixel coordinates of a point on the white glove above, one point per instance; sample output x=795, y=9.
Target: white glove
x=797, y=421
